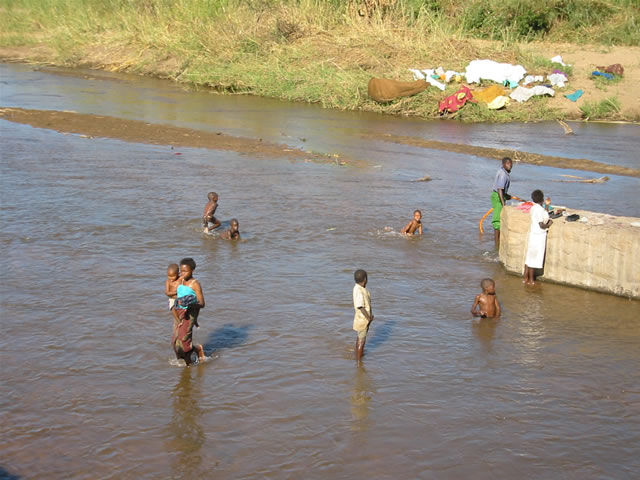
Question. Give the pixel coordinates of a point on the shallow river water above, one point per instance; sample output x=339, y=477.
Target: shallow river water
x=551, y=390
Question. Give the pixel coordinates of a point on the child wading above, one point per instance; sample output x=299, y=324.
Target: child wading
x=234, y=231
x=209, y=211
x=537, y=244
x=486, y=303
x=415, y=225
x=189, y=301
x=363, y=312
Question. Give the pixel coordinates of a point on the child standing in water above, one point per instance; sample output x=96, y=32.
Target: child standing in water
x=171, y=283
x=537, y=244
x=486, y=304
x=189, y=301
x=208, y=214
x=414, y=224
x=363, y=312
x=233, y=233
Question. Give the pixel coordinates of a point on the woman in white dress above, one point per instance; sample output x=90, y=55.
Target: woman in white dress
x=540, y=223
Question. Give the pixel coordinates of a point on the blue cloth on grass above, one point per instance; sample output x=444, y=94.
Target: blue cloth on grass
x=596, y=73
x=575, y=95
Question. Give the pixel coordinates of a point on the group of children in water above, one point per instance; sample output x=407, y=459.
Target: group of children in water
x=186, y=297
x=185, y=293
x=210, y=222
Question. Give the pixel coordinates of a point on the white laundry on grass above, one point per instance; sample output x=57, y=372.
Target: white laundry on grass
x=531, y=79
x=498, y=72
x=426, y=75
x=557, y=79
x=522, y=94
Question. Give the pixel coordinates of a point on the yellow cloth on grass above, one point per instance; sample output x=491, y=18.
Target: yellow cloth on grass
x=498, y=102
x=487, y=95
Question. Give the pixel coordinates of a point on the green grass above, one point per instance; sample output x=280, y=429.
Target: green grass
x=602, y=110
x=595, y=21
x=536, y=63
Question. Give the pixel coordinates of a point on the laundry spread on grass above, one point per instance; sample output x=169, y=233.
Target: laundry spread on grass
x=557, y=79
x=487, y=95
x=437, y=77
x=479, y=70
x=608, y=76
x=384, y=90
x=498, y=103
x=505, y=77
x=616, y=69
x=532, y=79
x=575, y=95
x=454, y=102
x=522, y=94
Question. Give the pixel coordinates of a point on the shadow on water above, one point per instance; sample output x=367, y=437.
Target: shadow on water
x=485, y=331
x=187, y=434
x=4, y=475
x=227, y=336
x=381, y=334
x=362, y=392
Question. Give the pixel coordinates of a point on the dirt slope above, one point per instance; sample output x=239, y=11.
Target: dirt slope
x=584, y=60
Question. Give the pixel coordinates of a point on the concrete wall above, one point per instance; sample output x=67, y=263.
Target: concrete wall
x=601, y=254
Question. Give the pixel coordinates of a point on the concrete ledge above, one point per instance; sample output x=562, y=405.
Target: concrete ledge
x=602, y=254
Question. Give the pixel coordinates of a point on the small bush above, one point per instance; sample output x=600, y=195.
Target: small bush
x=606, y=108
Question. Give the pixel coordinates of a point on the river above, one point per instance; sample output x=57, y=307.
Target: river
x=89, y=225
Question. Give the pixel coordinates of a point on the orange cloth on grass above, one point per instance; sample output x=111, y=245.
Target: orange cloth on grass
x=489, y=94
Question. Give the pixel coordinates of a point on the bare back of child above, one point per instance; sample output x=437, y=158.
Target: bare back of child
x=486, y=303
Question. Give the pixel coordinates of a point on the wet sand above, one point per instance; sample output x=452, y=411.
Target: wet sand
x=155, y=134
x=519, y=156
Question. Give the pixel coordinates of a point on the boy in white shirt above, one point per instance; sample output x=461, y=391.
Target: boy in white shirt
x=363, y=313
x=536, y=246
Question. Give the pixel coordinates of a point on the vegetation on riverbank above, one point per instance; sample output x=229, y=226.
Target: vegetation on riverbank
x=312, y=50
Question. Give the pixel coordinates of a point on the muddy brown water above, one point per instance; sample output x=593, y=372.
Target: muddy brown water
x=89, y=225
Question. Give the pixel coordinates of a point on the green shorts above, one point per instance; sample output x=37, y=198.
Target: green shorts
x=497, y=210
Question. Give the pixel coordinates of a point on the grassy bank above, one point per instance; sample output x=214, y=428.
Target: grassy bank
x=312, y=50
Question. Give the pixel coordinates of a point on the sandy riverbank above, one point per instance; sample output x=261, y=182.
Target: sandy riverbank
x=99, y=126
